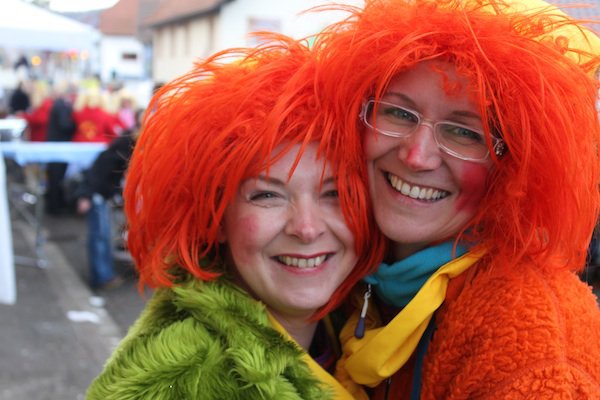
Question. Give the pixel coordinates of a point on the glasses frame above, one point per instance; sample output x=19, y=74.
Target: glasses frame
x=498, y=144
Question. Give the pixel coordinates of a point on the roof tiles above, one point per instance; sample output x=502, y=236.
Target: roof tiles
x=175, y=10
x=121, y=19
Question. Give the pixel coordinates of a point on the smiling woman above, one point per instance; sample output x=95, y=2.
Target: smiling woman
x=480, y=131
x=432, y=192
x=289, y=240
x=249, y=216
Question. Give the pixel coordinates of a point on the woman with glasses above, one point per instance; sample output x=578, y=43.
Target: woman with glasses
x=248, y=215
x=481, y=141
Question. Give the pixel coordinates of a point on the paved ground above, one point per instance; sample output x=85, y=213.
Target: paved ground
x=68, y=233
x=58, y=335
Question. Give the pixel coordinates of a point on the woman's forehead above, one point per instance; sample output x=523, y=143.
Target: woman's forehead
x=433, y=82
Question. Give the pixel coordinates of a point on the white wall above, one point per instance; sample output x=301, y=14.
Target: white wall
x=112, y=49
x=176, y=47
x=286, y=16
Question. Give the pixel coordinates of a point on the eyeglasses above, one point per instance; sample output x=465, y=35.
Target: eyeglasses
x=457, y=140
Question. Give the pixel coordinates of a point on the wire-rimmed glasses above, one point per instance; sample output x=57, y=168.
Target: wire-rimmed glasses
x=458, y=140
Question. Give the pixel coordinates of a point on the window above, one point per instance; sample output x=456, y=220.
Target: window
x=129, y=56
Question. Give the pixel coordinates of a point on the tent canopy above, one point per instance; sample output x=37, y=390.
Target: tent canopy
x=26, y=26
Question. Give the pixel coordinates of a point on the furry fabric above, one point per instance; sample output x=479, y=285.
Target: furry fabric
x=518, y=334
x=205, y=340
x=523, y=334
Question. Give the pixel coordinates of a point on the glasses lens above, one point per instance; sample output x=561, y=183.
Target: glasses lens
x=461, y=140
x=391, y=119
x=457, y=140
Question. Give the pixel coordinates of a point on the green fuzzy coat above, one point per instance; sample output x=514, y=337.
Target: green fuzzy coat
x=205, y=340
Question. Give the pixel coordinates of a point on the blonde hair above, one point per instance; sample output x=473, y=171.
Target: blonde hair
x=92, y=97
x=39, y=93
x=117, y=98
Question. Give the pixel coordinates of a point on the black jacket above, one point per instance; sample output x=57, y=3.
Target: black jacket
x=19, y=101
x=61, y=125
x=105, y=175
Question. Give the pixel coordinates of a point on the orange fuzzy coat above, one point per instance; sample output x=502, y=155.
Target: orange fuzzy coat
x=515, y=335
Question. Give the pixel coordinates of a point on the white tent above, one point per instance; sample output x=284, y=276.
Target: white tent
x=26, y=26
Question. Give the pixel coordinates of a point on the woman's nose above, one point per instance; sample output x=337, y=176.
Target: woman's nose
x=306, y=221
x=420, y=151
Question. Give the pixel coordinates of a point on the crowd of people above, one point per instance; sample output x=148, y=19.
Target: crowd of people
x=96, y=114
x=86, y=114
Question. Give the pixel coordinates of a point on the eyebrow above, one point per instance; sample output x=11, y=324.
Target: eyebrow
x=458, y=113
x=270, y=180
x=279, y=182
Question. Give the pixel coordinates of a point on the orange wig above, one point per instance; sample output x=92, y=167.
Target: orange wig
x=216, y=126
x=535, y=88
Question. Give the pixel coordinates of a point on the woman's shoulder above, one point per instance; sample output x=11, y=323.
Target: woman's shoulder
x=519, y=327
x=527, y=300
x=528, y=290
x=204, y=338
x=155, y=352
x=206, y=309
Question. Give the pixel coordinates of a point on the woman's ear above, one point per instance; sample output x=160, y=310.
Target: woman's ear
x=221, y=236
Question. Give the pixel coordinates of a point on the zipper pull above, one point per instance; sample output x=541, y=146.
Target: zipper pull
x=388, y=385
x=359, y=332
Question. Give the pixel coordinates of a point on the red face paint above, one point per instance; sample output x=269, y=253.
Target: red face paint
x=249, y=225
x=473, y=186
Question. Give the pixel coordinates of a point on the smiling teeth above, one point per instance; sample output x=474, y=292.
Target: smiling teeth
x=302, y=262
x=415, y=192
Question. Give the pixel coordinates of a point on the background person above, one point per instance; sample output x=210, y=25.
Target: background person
x=61, y=127
x=37, y=118
x=123, y=106
x=481, y=142
x=248, y=213
x=37, y=128
x=101, y=183
x=94, y=122
x=19, y=99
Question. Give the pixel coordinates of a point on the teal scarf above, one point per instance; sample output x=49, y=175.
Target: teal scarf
x=398, y=283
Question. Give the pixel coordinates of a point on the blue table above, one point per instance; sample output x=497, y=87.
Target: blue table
x=78, y=155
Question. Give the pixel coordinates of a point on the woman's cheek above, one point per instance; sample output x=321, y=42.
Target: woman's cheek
x=241, y=240
x=248, y=225
x=472, y=183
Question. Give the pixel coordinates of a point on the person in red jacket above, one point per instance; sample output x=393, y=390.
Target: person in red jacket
x=480, y=131
x=37, y=121
x=94, y=123
x=37, y=118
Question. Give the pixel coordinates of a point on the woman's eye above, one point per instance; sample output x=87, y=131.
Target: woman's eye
x=262, y=196
x=332, y=193
x=400, y=114
x=462, y=135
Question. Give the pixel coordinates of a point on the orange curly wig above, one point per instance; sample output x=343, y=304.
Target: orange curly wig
x=216, y=126
x=534, y=86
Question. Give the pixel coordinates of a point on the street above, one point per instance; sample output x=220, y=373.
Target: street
x=59, y=333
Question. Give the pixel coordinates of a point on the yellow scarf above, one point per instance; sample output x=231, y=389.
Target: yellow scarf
x=384, y=350
x=329, y=381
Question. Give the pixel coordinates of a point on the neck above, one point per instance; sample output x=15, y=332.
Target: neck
x=399, y=251
x=300, y=328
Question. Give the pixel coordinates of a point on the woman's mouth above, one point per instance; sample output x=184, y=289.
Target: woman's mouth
x=414, y=191
x=302, y=262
